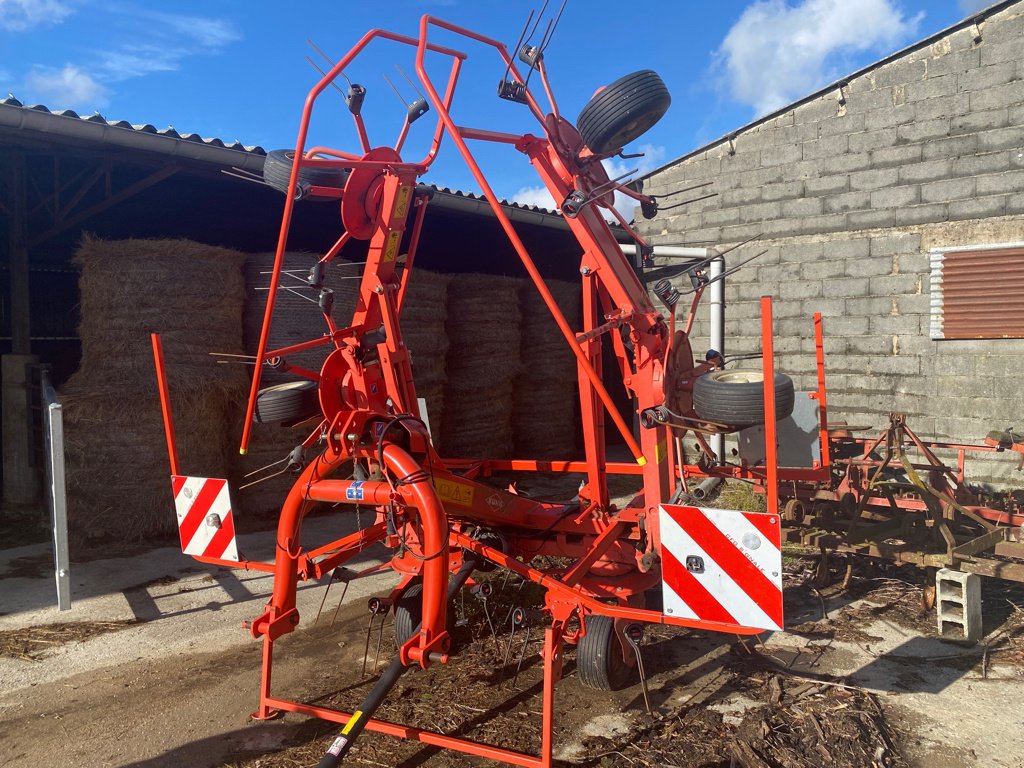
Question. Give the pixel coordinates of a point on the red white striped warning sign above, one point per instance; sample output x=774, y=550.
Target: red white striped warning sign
x=205, y=523
x=722, y=565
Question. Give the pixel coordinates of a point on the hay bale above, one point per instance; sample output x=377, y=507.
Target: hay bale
x=295, y=318
x=424, y=313
x=483, y=362
x=117, y=476
x=546, y=399
x=188, y=292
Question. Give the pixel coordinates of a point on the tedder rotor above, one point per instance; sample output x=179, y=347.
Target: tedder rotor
x=717, y=570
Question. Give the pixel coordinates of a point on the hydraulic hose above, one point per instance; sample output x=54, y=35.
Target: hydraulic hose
x=355, y=725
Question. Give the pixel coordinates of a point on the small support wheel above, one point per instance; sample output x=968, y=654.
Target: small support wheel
x=793, y=512
x=599, y=656
x=409, y=614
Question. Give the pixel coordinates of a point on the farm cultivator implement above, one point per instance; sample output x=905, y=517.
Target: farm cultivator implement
x=717, y=570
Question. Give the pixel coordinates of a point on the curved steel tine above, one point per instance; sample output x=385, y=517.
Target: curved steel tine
x=522, y=655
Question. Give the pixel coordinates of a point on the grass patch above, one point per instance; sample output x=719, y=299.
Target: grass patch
x=735, y=494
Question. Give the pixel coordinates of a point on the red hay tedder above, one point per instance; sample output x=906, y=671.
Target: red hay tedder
x=717, y=570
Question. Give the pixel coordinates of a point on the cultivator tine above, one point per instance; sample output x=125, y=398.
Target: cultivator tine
x=378, y=607
x=518, y=616
x=244, y=176
x=323, y=599
x=338, y=608
x=511, y=610
x=634, y=635
x=342, y=574
x=522, y=655
x=483, y=592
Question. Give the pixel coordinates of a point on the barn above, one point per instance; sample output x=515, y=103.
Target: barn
x=65, y=176
x=892, y=202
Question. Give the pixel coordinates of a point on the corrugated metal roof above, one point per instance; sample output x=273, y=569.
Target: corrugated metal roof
x=97, y=118
x=146, y=137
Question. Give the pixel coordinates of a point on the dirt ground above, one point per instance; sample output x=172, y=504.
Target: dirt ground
x=152, y=668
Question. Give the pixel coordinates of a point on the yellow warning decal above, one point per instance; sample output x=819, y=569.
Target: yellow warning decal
x=455, y=492
x=391, y=249
x=660, y=452
x=402, y=202
x=351, y=722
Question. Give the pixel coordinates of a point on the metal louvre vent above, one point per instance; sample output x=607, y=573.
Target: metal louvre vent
x=978, y=293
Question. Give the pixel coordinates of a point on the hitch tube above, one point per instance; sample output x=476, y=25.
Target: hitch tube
x=355, y=725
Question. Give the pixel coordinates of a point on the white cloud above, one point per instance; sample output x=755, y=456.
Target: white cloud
x=140, y=42
x=970, y=6
x=778, y=52
x=137, y=61
x=535, y=196
x=200, y=30
x=159, y=42
x=66, y=88
x=20, y=15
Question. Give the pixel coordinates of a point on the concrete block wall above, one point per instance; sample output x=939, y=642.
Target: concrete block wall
x=849, y=193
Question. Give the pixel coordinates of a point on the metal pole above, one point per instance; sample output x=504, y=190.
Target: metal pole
x=53, y=434
x=717, y=331
x=770, y=425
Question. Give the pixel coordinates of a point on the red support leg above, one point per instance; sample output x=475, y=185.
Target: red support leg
x=265, y=711
x=553, y=647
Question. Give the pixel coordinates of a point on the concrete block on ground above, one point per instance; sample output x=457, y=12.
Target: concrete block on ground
x=958, y=603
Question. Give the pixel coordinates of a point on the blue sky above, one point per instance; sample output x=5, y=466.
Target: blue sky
x=237, y=70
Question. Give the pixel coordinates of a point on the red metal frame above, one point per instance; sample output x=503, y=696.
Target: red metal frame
x=432, y=508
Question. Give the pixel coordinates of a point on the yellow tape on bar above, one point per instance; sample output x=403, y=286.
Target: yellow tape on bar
x=351, y=722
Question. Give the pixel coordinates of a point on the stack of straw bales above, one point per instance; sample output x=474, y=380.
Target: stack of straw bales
x=483, y=364
x=423, y=318
x=296, y=319
x=117, y=471
x=545, y=399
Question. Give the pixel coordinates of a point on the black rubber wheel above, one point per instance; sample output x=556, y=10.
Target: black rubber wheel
x=409, y=614
x=289, y=403
x=277, y=171
x=623, y=111
x=599, y=660
x=736, y=398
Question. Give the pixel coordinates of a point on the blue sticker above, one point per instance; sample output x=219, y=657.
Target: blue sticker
x=373, y=389
x=355, y=491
